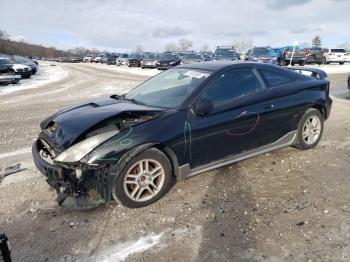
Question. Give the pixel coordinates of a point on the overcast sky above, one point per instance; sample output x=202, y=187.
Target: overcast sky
x=121, y=25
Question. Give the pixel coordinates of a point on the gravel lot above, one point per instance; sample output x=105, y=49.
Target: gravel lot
x=287, y=205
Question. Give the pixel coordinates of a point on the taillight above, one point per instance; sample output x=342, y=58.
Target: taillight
x=285, y=53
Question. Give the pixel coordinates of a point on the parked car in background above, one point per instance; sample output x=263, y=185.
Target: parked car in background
x=225, y=53
x=183, y=122
x=262, y=55
x=87, y=59
x=167, y=60
x=349, y=84
x=314, y=55
x=26, y=61
x=290, y=55
x=207, y=56
x=123, y=59
x=7, y=74
x=149, y=60
x=98, y=59
x=181, y=55
x=335, y=55
x=104, y=59
x=74, y=59
x=111, y=59
x=135, y=60
x=19, y=69
x=192, y=58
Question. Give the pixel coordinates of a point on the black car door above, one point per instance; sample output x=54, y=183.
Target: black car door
x=237, y=121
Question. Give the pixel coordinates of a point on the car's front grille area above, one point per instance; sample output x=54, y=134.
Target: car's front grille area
x=46, y=152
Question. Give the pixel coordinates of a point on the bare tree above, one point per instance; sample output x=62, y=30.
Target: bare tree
x=170, y=47
x=184, y=44
x=242, y=45
x=316, y=41
x=205, y=48
x=138, y=49
x=3, y=35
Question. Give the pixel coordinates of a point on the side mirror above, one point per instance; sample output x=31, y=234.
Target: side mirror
x=203, y=106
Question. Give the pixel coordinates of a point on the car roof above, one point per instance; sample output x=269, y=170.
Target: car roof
x=218, y=65
x=215, y=66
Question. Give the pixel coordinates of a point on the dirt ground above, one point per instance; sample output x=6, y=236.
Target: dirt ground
x=287, y=205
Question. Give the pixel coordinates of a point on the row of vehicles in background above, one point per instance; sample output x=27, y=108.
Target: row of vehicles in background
x=291, y=55
x=288, y=55
x=13, y=68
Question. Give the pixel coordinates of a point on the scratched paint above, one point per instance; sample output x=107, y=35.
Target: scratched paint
x=188, y=139
x=122, y=141
x=246, y=113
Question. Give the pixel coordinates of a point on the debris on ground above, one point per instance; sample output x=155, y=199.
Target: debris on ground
x=298, y=207
x=13, y=169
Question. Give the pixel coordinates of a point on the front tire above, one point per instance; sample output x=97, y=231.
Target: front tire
x=310, y=129
x=144, y=180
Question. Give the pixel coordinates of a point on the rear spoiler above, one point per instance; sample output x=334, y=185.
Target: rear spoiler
x=316, y=73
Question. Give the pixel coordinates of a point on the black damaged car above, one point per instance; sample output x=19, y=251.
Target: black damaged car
x=182, y=122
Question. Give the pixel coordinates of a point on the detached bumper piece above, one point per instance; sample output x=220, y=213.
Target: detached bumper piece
x=90, y=190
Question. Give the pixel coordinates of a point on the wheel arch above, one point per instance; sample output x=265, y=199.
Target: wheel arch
x=320, y=108
x=122, y=162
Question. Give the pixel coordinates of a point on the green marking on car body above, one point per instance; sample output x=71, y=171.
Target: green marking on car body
x=121, y=139
x=188, y=139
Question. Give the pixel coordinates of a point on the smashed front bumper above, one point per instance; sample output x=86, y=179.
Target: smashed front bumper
x=88, y=190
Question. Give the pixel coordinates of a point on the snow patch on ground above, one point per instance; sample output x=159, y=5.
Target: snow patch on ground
x=128, y=70
x=15, y=153
x=45, y=75
x=136, y=70
x=122, y=251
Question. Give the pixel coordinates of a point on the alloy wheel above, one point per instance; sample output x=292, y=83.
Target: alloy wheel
x=144, y=180
x=311, y=130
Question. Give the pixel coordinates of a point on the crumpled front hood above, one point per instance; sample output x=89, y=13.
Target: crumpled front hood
x=73, y=123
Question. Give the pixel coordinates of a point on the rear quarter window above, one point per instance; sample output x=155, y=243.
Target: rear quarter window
x=272, y=79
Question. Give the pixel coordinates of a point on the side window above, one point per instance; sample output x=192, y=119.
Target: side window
x=232, y=85
x=272, y=79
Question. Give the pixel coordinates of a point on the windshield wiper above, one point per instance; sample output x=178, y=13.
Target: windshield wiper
x=133, y=100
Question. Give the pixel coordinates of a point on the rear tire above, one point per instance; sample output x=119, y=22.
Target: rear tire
x=302, y=63
x=144, y=180
x=341, y=63
x=310, y=129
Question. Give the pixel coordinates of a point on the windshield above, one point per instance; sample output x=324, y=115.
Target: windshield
x=5, y=61
x=193, y=56
x=149, y=56
x=124, y=56
x=261, y=51
x=165, y=56
x=225, y=52
x=19, y=60
x=169, y=89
